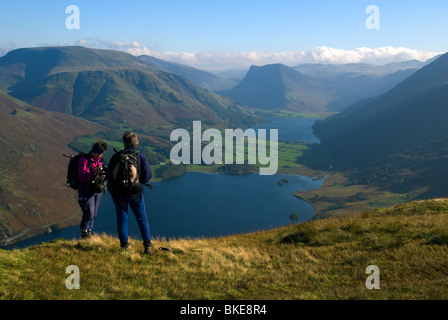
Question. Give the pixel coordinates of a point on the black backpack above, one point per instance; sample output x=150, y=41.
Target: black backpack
x=124, y=177
x=98, y=183
x=72, y=171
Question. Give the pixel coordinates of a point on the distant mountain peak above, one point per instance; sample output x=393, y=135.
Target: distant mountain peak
x=277, y=86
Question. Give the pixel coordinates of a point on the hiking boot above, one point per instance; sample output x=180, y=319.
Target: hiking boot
x=86, y=234
x=124, y=246
x=148, y=250
x=148, y=247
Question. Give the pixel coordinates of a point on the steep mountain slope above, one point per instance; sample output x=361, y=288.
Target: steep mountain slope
x=32, y=168
x=277, y=86
x=421, y=98
x=202, y=78
x=356, y=81
x=130, y=98
x=389, y=130
x=112, y=88
x=351, y=88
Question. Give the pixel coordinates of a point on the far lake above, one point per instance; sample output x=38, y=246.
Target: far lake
x=206, y=205
x=292, y=129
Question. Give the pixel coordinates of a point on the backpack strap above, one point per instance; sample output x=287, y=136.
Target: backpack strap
x=89, y=161
x=134, y=153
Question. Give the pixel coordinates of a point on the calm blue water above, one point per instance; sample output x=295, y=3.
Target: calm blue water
x=206, y=205
x=292, y=129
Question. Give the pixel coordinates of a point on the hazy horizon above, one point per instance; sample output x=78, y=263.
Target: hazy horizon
x=222, y=35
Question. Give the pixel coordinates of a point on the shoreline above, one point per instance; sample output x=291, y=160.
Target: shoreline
x=27, y=234
x=47, y=229
x=336, y=197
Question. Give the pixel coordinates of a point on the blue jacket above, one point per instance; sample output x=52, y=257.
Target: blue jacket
x=145, y=169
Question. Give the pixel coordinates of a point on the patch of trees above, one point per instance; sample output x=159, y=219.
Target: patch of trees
x=169, y=171
x=237, y=168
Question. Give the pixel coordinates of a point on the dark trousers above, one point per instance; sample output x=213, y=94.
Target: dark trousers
x=137, y=205
x=89, y=203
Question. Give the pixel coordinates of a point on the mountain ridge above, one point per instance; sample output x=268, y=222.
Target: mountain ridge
x=118, y=89
x=318, y=88
x=202, y=78
x=380, y=136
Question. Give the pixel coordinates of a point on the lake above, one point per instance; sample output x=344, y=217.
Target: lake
x=208, y=205
x=292, y=129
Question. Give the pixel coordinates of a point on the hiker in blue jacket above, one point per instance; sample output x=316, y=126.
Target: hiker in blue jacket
x=135, y=200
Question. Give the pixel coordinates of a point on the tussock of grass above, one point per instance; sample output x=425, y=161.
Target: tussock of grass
x=323, y=259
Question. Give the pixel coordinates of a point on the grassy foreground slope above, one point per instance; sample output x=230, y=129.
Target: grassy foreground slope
x=323, y=259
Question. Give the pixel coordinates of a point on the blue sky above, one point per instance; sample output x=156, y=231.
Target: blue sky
x=196, y=27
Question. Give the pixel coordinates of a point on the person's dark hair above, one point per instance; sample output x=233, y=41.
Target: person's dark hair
x=98, y=146
x=130, y=139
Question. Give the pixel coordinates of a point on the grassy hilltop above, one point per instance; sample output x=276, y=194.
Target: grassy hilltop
x=323, y=259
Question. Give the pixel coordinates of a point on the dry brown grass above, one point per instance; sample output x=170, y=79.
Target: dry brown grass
x=324, y=259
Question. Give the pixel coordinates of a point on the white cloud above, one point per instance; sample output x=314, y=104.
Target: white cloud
x=135, y=48
x=217, y=60
x=380, y=55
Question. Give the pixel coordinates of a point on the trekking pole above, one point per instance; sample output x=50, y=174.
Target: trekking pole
x=150, y=186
